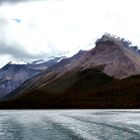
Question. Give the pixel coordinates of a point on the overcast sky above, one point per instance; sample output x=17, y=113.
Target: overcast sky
x=37, y=29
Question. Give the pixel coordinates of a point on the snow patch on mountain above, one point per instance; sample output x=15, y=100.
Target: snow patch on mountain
x=18, y=62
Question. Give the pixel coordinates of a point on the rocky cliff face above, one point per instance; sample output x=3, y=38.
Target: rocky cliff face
x=119, y=62
x=115, y=58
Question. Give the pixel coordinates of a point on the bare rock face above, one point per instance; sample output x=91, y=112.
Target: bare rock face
x=119, y=62
x=116, y=60
x=114, y=55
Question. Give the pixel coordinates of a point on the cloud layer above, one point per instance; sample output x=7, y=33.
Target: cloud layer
x=52, y=27
x=12, y=1
x=17, y=51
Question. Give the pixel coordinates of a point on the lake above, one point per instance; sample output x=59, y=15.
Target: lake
x=70, y=125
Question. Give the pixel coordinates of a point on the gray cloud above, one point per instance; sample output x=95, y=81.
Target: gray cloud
x=12, y=1
x=17, y=51
x=3, y=21
x=16, y=1
x=14, y=49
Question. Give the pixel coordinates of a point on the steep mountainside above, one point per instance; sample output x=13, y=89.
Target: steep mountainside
x=90, y=79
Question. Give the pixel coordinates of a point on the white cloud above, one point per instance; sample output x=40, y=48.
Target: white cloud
x=50, y=27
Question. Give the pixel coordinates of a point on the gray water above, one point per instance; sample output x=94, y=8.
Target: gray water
x=70, y=125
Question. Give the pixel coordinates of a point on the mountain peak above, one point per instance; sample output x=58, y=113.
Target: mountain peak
x=108, y=39
x=18, y=62
x=119, y=58
x=38, y=61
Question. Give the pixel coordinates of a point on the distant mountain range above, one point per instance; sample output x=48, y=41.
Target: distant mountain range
x=13, y=74
x=106, y=76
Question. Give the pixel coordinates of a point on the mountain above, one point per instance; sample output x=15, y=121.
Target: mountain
x=38, y=61
x=103, y=77
x=43, y=65
x=18, y=62
x=13, y=74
